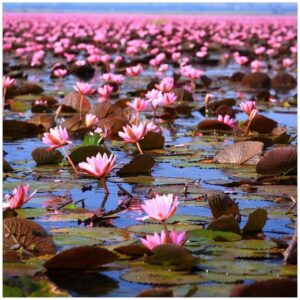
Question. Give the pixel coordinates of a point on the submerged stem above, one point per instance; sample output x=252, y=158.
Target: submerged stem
x=70, y=161
x=103, y=181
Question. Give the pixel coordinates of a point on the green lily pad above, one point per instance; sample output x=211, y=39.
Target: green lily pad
x=173, y=257
x=87, y=236
x=204, y=235
x=152, y=228
x=30, y=213
x=161, y=277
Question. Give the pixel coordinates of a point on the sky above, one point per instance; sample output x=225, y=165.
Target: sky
x=201, y=8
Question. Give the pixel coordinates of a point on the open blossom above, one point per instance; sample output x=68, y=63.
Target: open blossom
x=151, y=126
x=134, y=70
x=105, y=132
x=139, y=104
x=155, y=96
x=19, y=197
x=226, y=120
x=8, y=82
x=260, y=50
x=58, y=137
x=98, y=166
x=176, y=238
x=105, y=91
x=166, y=85
x=287, y=62
x=160, y=208
x=91, y=120
x=191, y=72
x=256, y=66
x=241, y=60
x=60, y=72
x=110, y=77
x=133, y=133
x=169, y=99
x=84, y=88
x=248, y=106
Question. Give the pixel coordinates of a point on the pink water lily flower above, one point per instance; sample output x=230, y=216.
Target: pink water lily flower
x=84, y=88
x=98, y=166
x=134, y=70
x=139, y=104
x=248, y=106
x=19, y=197
x=105, y=91
x=91, y=120
x=176, y=238
x=166, y=85
x=60, y=72
x=169, y=99
x=133, y=133
x=287, y=62
x=161, y=207
x=58, y=137
x=8, y=82
x=226, y=120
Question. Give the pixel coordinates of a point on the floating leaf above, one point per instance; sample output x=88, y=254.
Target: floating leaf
x=6, y=166
x=156, y=292
x=88, y=236
x=262, y=124
x=46, y=156
x=278, y=161
x=222, y=204
x=85, y=257
x=141, y=164
x=240, y=153
x=256, y=80
x=82, y=284
x=213, y=125
x=71, y=103
x=224, y=223
x=20, y=129
x=152, y=228
x=81, y=153
x=267, y=288
x=204, y=235
x=27, y=235
x=152, y=140
x=162, y=277
x=173, y=257
x=283, y=82
x=256, y=221
x=133, y=250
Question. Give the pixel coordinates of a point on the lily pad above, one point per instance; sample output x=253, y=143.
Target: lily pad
x=141, y=164
x=85, y=257
x=81, y=153
x=256, y=221
x=88, y=236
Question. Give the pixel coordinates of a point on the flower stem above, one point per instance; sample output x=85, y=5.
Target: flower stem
x=248, y=126
x=80, y=105
x=103, y=181
x=139, y=147
x=103, y=202
x=165, y=228
x=137, y=117
x=154, y=114
x=70, y=161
